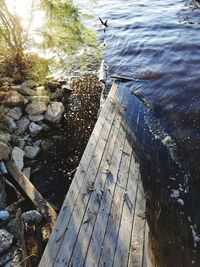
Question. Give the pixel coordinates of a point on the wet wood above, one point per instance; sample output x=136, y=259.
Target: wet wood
x=15, y=205
x=29, y=191
x=21, y=237
x=96, y=220
x=123, y=78
x=54, y=243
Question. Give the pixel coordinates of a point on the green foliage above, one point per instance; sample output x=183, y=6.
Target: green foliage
x=20, y=66
x=64, y=29
x=62, y=32
x=11, y=31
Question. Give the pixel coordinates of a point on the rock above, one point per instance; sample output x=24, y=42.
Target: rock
x=54, y=112
x=31, y=216
x=18, y=157
x=5, y=87
x=58, y=94
x=42, y=98
x=7, y=80
x=27, y=172
x=36, y=118
x=4, y=215
x=35, y=128
x=26, y=137
x=36, y=108
x=31, y=152
x=41, y=90
x=27, y=91
x=21, y=144
x=52, y=85
x=22, y=125
x=67, y=89
x=29, y=84
x=6, y=240
x=12, y=99
x=15, y=113
x=7, y=137
x=11, y=123
x=3, y=169
x=37, y=143
x=6, y=260
x=4, y=151
x=46, y=144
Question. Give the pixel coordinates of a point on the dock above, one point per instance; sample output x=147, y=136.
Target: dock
x=111, y=216
x=102, y=220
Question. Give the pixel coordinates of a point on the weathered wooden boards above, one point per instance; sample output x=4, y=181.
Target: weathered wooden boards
x=102, y=221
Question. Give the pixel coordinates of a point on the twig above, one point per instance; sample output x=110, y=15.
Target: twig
x=19, y=264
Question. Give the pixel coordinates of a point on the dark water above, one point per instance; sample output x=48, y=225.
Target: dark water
x=158, y=43
x=55, y=168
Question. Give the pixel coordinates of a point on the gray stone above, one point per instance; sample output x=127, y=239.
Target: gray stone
x=35, y=128
x=54, y=112
x=27, y=172
x=11, y=258
x=11, y=123
x=31, y=152
x=4, y=151
x=22, y=125
x=67, y=89
x=21, y=144
x=7, y=80
x=41, y=90
x=36, y=108
x=12, y=99
x=36, y=118
x=37, y=143
x=15, y=113
x=58, y=94
x=31, y=216
x=26, y=137
x=27, y=91
x=28, y=83
x=18, y=157
x=7, y=137
x=40, y=98
x=6, y=240
x=3, y=168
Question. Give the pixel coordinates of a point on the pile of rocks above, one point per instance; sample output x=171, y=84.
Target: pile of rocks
x=28, y=110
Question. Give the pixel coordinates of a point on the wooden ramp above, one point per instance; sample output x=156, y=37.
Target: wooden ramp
x=102, y=220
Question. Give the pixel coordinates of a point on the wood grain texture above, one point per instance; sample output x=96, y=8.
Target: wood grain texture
x=103, y=215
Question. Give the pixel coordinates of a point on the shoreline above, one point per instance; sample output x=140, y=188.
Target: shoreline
x=35, y=113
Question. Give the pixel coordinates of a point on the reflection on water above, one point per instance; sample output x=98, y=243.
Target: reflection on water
x=158, y=42
x=173, y=238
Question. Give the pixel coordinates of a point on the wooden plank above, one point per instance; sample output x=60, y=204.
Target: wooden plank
x=138, y=231
x=95, y=199
x=124, y=237
x=31, y=192
x=53, y=245
x=148, y=257
x=69, y=239
x=103, y=213
x=115, y=214
x=94, y=250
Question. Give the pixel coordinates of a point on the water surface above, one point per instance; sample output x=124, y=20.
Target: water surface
x=158, y=43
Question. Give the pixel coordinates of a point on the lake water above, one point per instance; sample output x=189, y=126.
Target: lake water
x=158, y=44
